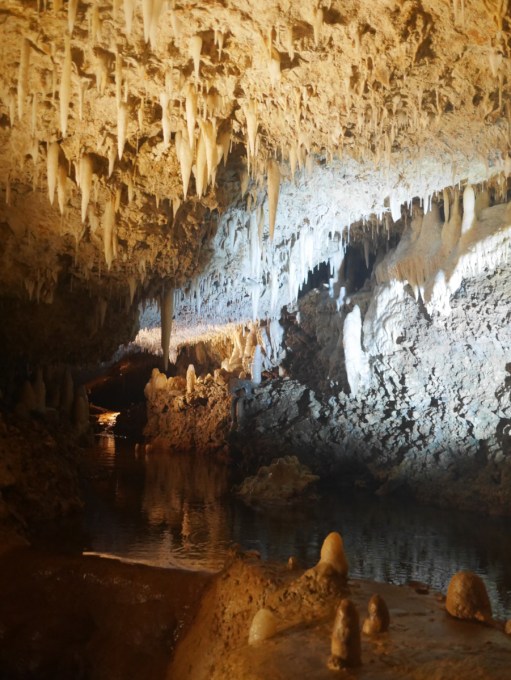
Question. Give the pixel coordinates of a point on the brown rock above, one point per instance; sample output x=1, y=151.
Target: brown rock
x=378, y=620
x=345, y=643
x=467, y=598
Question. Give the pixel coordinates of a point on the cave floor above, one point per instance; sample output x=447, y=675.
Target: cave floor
x=87, y=617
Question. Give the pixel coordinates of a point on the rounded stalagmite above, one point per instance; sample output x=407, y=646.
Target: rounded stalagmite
x=378, y=620
x=345, y=642
x=467, y=598
x=332, y=556
x=263, y=626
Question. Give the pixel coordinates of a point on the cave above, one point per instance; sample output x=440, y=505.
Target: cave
x=255, y=339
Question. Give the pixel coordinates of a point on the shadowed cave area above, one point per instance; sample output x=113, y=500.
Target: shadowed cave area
x=255, y=339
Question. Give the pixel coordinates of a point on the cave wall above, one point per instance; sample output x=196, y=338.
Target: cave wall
x=385, y=393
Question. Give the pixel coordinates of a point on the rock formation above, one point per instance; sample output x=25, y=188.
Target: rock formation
x=211, y=162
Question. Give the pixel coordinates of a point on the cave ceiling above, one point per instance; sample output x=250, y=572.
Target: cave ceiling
x=128, y=128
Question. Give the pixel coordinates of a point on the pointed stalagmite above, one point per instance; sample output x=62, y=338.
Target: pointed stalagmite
x=273, y=172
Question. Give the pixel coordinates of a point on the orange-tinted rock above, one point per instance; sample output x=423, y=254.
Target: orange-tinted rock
x=378, y=620
x=467, y=598
x=345, y=643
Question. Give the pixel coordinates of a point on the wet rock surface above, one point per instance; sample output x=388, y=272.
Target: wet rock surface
x=39, y=480
x=434, y=419
x=196, y=420
x=64, y=617
x=285, y=480
x=422, y=641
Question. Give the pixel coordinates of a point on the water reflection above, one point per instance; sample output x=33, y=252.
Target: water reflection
x=170, y=510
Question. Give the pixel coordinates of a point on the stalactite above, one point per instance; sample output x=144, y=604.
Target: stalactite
x=252, y=125
x=208, y=132
x=129, y=6
x=274, y=68
x=72, y=7
x=201, y=167
x=112, y=153
x=122, y=125
x=185, y=157
x=273, y=173
x=224, y=143
x=86, y=172
x=132, y=282
x=34, y=114
x=118, y=79
x=61, y=188
x=95, y=22
x=191, y=113
x=167, y=311
x=108, y=231
x=52, y=166
x=23, y=76
x=195, y=52
x=65, y=87
x=165, y=118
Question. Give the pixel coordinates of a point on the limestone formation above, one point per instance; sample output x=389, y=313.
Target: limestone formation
x=345, y=643
x=467, y=598
x=378, y=620
x=332, y=557
x=263, y=626
x=285, y=480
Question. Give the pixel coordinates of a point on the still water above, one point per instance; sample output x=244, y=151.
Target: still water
x=176, y=511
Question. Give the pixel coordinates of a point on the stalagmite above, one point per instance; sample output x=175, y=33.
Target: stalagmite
x=469, y=201
x=122, y=124
x=23, y=76
x=263, y=627
x=65, y=87
x=195, y=52
x=86, y=172
x=167, y=311
x=273, y=172
x=52, y=167
x=345, y=642
x=190, y=379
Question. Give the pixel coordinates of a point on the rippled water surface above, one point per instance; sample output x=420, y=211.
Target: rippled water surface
x=170, y=510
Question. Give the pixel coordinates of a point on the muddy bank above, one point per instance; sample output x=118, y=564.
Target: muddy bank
x=65, y=617
x=423, y=640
